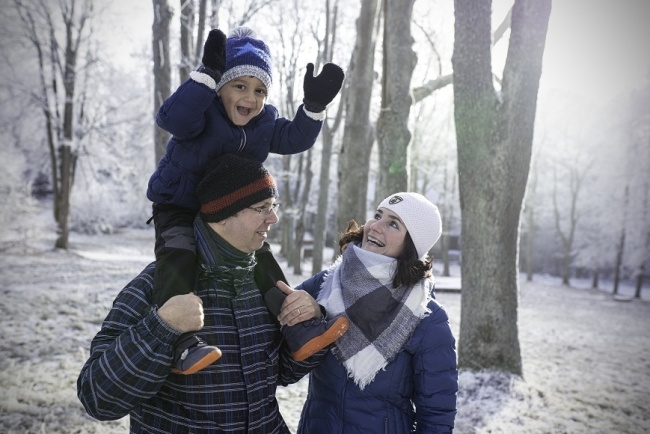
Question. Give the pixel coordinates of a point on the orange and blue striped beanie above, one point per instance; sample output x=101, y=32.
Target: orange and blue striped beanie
x=233, y=182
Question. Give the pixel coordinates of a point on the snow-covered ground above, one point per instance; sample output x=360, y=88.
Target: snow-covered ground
x=586, y=356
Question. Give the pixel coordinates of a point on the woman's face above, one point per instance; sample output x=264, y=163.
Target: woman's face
x=384, y=234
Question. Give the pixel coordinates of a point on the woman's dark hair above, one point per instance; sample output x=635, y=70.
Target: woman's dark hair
x=410, y=268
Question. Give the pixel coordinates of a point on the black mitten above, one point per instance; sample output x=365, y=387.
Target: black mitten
x=323, y=88
x=214, y=55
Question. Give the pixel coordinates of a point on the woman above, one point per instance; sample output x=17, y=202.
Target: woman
x=394, y=371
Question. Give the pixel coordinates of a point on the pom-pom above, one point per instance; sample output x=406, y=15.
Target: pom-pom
x=242, y=32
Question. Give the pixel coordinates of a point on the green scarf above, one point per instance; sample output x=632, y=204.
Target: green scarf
x=221, y=261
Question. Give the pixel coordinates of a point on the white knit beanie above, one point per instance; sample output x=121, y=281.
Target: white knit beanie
x=420, y=216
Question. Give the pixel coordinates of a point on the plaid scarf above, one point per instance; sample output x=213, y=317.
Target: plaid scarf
x=382, y=318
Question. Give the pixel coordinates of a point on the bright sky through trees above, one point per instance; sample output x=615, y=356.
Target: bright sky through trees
x=595, y=48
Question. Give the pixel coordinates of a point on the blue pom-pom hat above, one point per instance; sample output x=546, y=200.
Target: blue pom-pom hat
x=246, y=56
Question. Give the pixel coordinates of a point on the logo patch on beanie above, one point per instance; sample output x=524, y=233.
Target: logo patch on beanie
x=395, y=199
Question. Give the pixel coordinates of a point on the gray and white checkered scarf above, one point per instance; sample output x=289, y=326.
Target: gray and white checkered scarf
x=382, y=318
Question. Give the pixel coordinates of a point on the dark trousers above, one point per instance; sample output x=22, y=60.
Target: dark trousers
x=266, y=273
x=175, y=251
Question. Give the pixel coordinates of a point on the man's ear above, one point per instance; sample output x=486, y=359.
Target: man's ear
x=214, y=225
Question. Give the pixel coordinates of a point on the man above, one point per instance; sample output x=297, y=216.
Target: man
x=129, y=368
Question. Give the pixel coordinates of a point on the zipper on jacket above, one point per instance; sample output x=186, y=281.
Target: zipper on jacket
x=386, y=425
x=242, y=142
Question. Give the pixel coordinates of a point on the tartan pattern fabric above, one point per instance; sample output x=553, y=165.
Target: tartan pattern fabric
x=382, y=318
x=128, y=371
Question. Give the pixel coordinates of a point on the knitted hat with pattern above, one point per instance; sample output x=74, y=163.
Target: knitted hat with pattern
x=246, y=56
x=420, y=216
x=233, y=182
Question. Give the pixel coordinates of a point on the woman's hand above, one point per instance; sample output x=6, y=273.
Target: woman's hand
x=299, y=306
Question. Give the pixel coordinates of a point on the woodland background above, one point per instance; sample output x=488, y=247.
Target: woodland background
x=585, y=353
x=535, y=146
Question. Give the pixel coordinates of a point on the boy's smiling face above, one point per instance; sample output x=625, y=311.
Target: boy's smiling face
x=243, y=99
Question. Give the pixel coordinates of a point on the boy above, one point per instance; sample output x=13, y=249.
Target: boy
x=222, y=109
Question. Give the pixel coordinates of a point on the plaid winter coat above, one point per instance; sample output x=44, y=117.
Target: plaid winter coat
x=128, y=371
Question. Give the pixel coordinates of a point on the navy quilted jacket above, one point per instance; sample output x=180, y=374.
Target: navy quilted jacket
x=201, y=130
x=416, y=393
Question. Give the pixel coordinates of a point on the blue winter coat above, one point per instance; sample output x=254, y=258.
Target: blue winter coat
x=415, y=393
x=201, y=130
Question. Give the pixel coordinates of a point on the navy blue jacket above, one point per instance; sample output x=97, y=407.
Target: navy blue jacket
x=201, y=130
x=415, y=393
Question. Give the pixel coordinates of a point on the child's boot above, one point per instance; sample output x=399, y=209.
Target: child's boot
x=175, y=273
x=308, y=337
x=192, y=354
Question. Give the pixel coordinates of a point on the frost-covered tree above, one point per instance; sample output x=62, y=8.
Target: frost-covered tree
x=566, y=211
x=398, y=63
x=162, y=69
x=358, y=133
x=633, y=122
x=59, y=36
x=494, y=131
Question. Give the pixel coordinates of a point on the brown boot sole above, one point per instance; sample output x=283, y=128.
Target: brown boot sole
x=206, y=361
x=319, y=342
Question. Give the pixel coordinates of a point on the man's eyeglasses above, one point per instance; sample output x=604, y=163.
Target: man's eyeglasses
x=265, y=209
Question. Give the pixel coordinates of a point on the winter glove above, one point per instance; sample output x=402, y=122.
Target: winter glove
x=321, y=89
x=214, y=55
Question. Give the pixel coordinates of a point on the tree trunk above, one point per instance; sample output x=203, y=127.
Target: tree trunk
x=200, y=33
x=494, y=137
x=187, y=62
x=67, y=149
x=619, y=260
x=213, y=19
x=320, y=221
x=300, y=219
x=445, y=255
x=620, y=249
x=530, y=223
x=292, y=186
x=594, y=278
x=354, y=156
x=67, y=167
x=57, y=68
x=530, y=236
x=162, y=69
x=639, y=282
x=327, y=136
x=393, y=135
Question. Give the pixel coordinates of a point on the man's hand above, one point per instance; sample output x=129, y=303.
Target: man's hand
x=183, y=313
x=299, y=306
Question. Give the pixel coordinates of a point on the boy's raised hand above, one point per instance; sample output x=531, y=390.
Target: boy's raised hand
x=214, y=54
x=323, y=88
